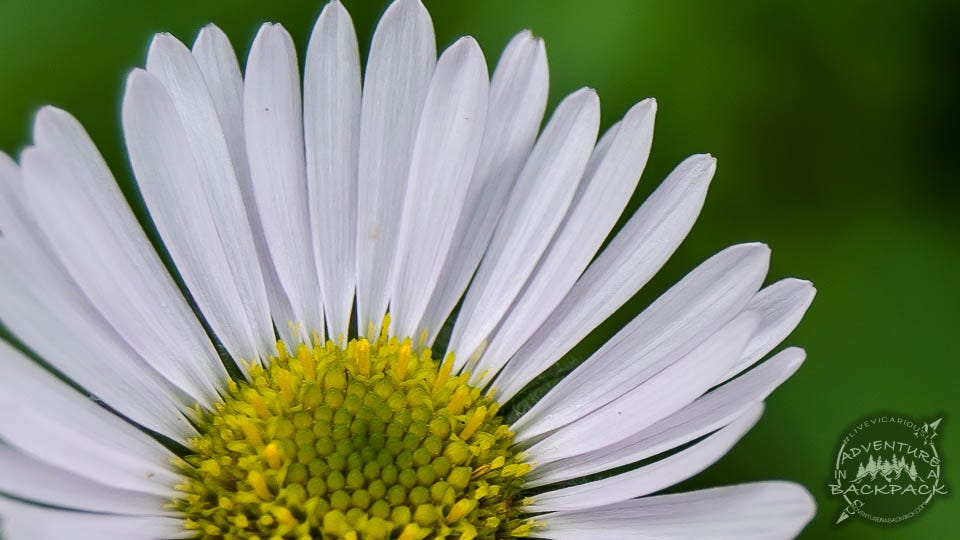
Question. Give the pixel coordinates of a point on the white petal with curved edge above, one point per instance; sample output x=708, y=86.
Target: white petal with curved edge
x=535, y=209
x=610, y=178
x=212, y=192
x=221, y=71
x=518, y=98
x=97, y=238
x=401, y=60
x=635, y=254
x=21, y=521
x=649, y=478
x=712, y=411
x=43, y=417
x=444, y=154
x=171, y=187
x=676, y=386
x=39, y=295
x=273, y=123
x=32, y=480
x=757, y=511
x=693, y=309
x=331, y=113
x=782, y=305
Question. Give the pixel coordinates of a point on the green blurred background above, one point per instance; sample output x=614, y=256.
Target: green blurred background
x=836, y=129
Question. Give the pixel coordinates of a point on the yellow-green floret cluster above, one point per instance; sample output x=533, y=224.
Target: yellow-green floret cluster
x=374, y=440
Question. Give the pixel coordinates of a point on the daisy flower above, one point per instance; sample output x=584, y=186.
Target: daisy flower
x=277, y=377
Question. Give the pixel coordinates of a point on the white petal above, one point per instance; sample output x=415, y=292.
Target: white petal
x=221, y=71
x=331, y=109
x=535, y=209
x=781, y=305
x=20, y=521
x=171, y=187
x=758, y=511
x=401, y=60
x=444, y=155
x=32, y=480
x=674, y=324
x=649, y=478
x=518, y=97
x=95, y=235
x=39, y=295
x=708, y=413
x=632, y=258
x=52, y=423
x=676, y=386
x=203, y=180
x=611, y=176
x=273, y=123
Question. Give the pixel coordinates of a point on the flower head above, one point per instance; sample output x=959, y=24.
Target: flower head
x=296, y=217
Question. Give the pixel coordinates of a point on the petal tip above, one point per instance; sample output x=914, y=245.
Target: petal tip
x=529, y=36
x=335, y=7
x=47, y=118
x=798, y=356
x=805, y=504
x=210, y=31
x=136, y=77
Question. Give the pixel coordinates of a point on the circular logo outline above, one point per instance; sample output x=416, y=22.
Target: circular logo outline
x=916, y=430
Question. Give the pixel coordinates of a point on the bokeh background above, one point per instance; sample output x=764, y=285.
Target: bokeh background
x=835, y=125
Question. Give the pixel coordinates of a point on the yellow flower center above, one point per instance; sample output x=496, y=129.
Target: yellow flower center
x=374, y=440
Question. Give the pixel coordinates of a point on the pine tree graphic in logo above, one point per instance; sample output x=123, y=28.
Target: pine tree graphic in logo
x=889, y=470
